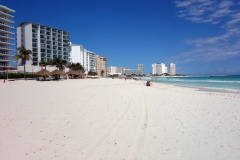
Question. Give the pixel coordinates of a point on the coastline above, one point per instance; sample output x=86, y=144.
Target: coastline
x=201, y=88
x=92, y=119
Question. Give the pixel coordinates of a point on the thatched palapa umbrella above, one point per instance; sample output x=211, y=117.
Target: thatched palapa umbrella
x=57, y=72
x=73, y=72
x=81, y=74
x=44, y=73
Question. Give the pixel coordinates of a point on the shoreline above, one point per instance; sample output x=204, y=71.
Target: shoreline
x=207, y=89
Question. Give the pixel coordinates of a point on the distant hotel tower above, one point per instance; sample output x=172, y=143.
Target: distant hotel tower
x=45, y=42
x=5, y=56
x=172, y=69
x=140, y=67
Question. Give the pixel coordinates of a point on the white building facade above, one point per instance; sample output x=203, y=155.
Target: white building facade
x=132, y=72
x=45, y=42
x=158, y=68
x=86, y=58
x=140, y=67
x=5, y=32
x=172, y=69
x=166, y=70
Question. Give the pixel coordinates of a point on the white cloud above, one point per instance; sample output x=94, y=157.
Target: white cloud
x=183, y=4
x=216, y=22
x=216, y=48
x=225, y=4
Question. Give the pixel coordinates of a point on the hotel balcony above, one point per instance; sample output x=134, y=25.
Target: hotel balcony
x=6, y=37
x=64, y=37
x=42, y=32
x=34, y=36
x=54, y=30
x=6, y=25
x=42, y=41
x=34, y=31
x=43, y=55
x=49, y=56
x=6, y=54
x=43, y=37
x=6, y=31
x=54, y=56
x=43, y=27
x=6, y=48
x=34, y=26
x=34, y=40
x=43, y=47
x=35, y=55
x=6, y=60
x=7, y=66
x=35, y=50
x=65, y=33
x=6, y=42
x=4, y=19
x=35, y=59
x=5, y=14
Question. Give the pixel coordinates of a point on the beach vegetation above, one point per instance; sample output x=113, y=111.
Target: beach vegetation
x=91, y=73
x=76, y=67
x=58, y=63
x=18, y=75
x=102, y=72
x=23, y=55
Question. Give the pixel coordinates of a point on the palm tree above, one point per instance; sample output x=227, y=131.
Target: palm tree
x=24, y=55
x=102, y=73
x=58, y=63
x=44, y=64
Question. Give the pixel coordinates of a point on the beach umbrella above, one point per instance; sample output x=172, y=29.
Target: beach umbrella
x=44, y=72
x=57, y=72
x=73, y=72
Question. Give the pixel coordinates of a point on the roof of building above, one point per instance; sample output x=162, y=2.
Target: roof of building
x=42, y=25
x=5, y=8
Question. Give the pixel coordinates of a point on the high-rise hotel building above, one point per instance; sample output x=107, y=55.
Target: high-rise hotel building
x=45, y=42
x=158, y=68
x=140, y=67
x=5, y=39
x=172, y=69
x=86, y=58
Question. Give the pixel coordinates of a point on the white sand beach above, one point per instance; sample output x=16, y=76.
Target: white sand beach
x=107, y=119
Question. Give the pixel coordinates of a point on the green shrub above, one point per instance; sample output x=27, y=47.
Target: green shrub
x=16, y=75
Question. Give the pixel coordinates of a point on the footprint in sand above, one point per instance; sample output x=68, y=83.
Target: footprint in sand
x=180, y=154
x=180, y=134
x=175, y=141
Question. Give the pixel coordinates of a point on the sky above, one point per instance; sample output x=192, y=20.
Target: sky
x=202, y=37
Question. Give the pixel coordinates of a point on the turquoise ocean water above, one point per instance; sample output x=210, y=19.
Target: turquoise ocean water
x=216, y=82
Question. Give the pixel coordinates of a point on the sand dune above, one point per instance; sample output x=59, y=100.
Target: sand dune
x=116, y=120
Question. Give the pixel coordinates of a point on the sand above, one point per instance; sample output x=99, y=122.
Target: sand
x=99, y=119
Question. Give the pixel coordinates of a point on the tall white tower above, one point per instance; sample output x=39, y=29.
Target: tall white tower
x=5, y=31
x=172, y=69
